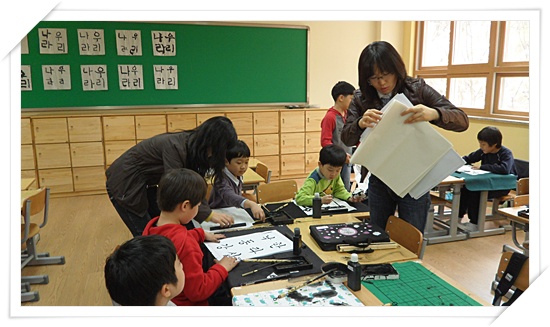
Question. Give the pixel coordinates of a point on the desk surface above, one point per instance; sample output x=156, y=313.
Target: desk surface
x=251, y=177
x=512, y=214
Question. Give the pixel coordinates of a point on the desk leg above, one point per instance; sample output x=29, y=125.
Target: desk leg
x=453, y=233
x=481, y=231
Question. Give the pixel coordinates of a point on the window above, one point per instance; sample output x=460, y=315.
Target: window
x=482, y=67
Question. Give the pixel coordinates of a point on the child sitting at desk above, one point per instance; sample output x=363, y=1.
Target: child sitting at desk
x=494, y=158
x=179, y=195
x=144, y=258
x=228, y=187
x=326, y=179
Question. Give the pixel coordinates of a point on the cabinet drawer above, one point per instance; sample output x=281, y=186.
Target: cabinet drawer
x=313, y=141
x=249, y=140
x=50, y=130
x=27, y=157
x=292, y=164
x=58, y=180
x=119, y=128
x=87, y=154
x=292, y=143
x=26, y=133
x=242, y=122
x=266, y=144
x=84, y=129
x=272, y=163
x=181, y=122
x=292, y=121
x=312, y=161
x=113, y=149
x=52, y=156
x=313, y=120
x=89, y=178
x=201, y=118
x=149, y=126
x=266, y=122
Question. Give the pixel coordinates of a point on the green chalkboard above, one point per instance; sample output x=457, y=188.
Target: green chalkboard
x=216, y=65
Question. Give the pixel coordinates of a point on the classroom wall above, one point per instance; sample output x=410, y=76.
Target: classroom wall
x=334, y=51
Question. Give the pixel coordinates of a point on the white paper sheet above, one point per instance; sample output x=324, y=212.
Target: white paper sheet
x=467, y=169
x=397, y=153
x=336, y=204
x=239, y=216
x=251, y=245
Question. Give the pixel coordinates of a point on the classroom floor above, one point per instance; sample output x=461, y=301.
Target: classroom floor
x=86, y=229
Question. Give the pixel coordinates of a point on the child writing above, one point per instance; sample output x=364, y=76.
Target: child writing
x=144, y=271
x=228, y=187
x=333, y=122
x=494, y=158
x=180, y=192
x=326, y=179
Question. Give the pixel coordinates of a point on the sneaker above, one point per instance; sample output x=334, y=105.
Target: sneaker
x=470, y=227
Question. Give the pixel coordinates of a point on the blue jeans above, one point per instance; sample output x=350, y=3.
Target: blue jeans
x=383, y=203
x=345, y=175
x=135, y=223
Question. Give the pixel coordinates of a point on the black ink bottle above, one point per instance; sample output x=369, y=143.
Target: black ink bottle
x=354, y=273
x=297, y=242
x=316, y=206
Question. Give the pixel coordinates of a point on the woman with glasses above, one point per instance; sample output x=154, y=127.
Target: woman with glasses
x=382, y=75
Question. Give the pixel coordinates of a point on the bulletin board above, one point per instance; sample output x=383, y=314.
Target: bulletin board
x=216, y=65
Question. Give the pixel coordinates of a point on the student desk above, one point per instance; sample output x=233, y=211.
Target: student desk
x=450, y=230
x=517, y=221
x=485, y=183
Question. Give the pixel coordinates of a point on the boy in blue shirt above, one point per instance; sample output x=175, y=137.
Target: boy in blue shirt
x=228, y=187
x=326, y=179
x=494, y=158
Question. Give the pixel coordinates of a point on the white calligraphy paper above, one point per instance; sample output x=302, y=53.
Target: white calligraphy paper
x=130, y=77
x=94, y=77
x=239, y=216
x=26, y=80
x=252, y=245
x=56, y=77
x=52, y=40
x=164, y=43
x=166, y=77
x=91, y=42
x=128, y=43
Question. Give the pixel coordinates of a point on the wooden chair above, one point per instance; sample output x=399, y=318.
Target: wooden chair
x=277, y=191
x=262, y=170
x=522, y=281
x=406, y=235
x=34, y=205
x=522, y=188
x=521, y=200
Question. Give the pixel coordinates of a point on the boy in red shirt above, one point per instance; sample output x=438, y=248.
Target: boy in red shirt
x=180, y=193
x=333, y=122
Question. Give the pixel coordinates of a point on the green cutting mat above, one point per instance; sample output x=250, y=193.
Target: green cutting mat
x=417, y=286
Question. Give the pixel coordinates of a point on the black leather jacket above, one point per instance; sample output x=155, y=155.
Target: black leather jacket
x=418, y=92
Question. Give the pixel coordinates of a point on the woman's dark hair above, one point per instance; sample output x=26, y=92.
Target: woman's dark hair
x=491, y=135
x=136, y=271
x=208, y=143
x=179, y=185
x=381, y=55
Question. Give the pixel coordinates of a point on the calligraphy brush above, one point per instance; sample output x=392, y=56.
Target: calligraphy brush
x=307, y=282
x=261, y=268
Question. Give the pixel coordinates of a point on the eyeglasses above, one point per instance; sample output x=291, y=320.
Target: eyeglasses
x=375, y=79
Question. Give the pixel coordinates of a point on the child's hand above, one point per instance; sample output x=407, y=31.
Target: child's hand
x=222, y=219
x=228, y=262
x=354, y=198
x=326, y=199
x=211, y=237
x=257, y=212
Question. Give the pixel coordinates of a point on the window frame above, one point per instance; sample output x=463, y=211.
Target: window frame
x=493, y=70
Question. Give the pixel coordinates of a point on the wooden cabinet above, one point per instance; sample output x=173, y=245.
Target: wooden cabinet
x=181, y=122
x=85, y=129
x=149, y=126
x=70, y=153
x=116, y=128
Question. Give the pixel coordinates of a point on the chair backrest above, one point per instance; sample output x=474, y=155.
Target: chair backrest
x=522, y=186
x=521, y=200
x=277, y=191
x=522, y=168
x=33, y=205
x=522, y=281
x=262, y=170
x=405, y=234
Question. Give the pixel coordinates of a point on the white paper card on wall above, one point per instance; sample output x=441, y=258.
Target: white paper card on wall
x=166, y=77
x=91, y=42
x=25, y=45
x=52, y=40
x=252, y=245
x=128, y=42
x=164, y=43
x=130, y=77
x=26, y=80
x=94, y=77
x=56, y=77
